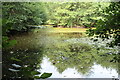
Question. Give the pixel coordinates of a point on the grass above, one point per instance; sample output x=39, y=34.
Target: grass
x=68, y=30
x=63, y=30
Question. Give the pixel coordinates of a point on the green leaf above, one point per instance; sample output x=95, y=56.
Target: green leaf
x=12, y=42
x=36, y=77
x=45, y=75
x=15, y=59
x=4, y=38
x=35, y=72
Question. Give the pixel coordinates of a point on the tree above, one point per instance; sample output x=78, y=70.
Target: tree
x=71, y=14
x=110, y=26
x=18, y=15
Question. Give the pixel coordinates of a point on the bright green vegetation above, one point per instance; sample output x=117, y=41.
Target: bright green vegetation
x=75, y=14
x=110, y=26
x=18, y=16
x=26, y=47
x=68, y=30
x=105, y=16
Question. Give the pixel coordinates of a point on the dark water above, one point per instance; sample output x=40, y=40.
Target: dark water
x=64, y=55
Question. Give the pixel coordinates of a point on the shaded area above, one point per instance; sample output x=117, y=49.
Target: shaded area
x=22, y=59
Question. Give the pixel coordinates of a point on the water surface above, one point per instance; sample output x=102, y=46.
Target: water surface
x=65, y=55
x=97, y=71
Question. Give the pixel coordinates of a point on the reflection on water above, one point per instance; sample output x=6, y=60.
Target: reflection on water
x=97, y=71
x=68, y=58
x=65, y=55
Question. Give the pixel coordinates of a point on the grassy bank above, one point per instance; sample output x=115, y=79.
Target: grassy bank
x=68, y=30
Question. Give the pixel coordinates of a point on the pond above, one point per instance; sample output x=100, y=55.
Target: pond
x=65, y=55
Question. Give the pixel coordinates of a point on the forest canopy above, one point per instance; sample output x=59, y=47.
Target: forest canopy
x=18, y=15
x=110, y=26
x=72, y=14
x=104, y=16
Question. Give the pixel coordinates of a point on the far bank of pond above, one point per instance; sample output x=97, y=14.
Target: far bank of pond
x=65, y=55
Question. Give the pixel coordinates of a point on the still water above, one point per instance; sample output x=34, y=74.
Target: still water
x=65, y=55
x=97, y=71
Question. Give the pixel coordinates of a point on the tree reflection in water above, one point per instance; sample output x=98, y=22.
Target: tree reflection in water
x=82, y=57
x=30, y=49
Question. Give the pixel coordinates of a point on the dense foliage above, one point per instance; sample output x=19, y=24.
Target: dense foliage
x=75, y=13
x=110, y=26
x=19, y=16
